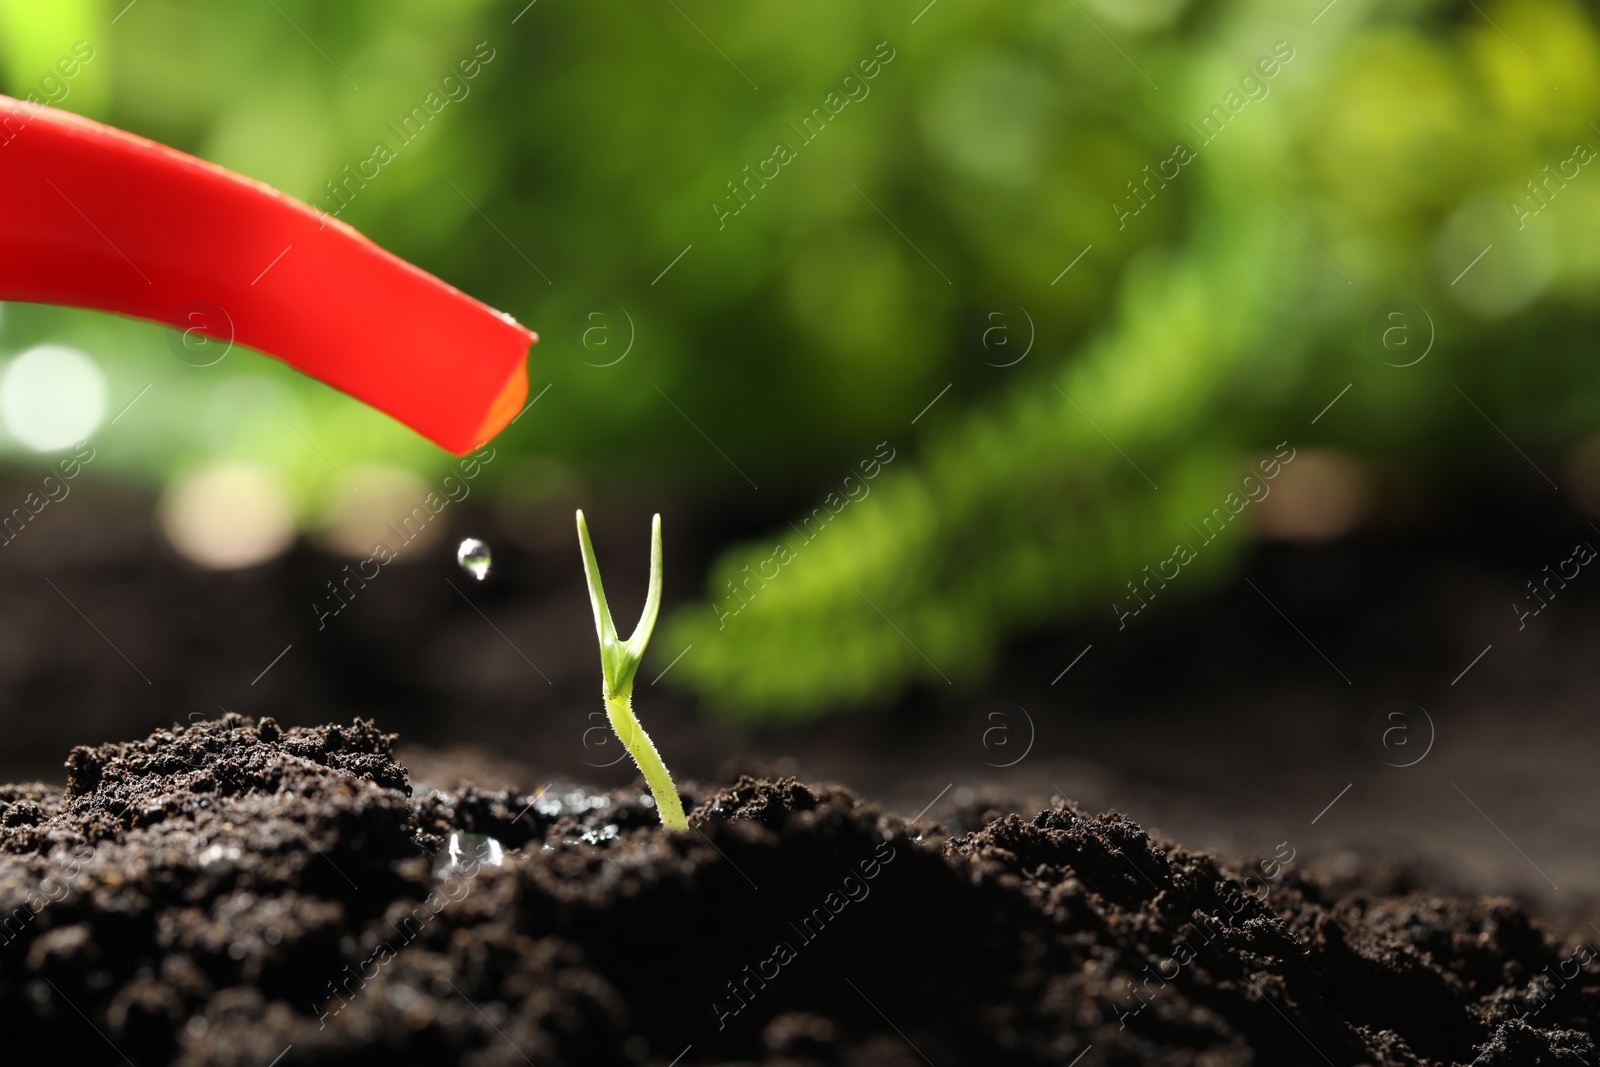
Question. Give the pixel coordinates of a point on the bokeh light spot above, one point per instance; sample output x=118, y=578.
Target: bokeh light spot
x=227, y=516
x=52, y=397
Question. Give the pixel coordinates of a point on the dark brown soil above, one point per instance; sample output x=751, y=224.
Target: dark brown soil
x=231, y=892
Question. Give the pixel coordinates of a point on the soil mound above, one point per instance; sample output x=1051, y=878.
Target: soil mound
x=231, y=891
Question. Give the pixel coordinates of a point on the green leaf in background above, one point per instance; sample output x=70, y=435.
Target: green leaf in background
x=35, y=38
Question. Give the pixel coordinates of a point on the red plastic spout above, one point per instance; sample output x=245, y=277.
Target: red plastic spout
x=96, y=217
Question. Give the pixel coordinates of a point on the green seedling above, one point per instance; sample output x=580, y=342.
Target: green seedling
x=619, y=662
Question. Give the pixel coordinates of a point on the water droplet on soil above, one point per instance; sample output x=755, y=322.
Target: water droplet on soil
x=219, y=860
x=473, y=555
x=575, y=803
x=464, y=850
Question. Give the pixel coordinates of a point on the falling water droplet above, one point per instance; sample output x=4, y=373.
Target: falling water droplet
x=473, y=555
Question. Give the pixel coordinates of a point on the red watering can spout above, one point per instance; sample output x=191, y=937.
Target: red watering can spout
x=95, y=217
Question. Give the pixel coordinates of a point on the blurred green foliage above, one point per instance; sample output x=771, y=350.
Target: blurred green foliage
x=852, y=287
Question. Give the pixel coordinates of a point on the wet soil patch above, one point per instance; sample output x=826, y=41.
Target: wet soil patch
x=230, y=891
